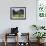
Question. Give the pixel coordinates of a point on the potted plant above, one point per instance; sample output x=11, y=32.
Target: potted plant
x=39, y=35
x=35, y=26
x=38, y=27
x=42, y=27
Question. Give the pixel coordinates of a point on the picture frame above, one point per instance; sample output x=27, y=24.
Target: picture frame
x=41, y=9
x=18, y=13
x=41, y=12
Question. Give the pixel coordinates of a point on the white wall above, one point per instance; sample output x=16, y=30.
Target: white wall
x=24, y=25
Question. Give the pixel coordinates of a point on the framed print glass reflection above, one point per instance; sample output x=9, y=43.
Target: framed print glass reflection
x=17, y=13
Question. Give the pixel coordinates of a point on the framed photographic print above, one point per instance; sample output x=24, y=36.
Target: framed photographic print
x=41, y=12
x=41, y=8
x=17, y=13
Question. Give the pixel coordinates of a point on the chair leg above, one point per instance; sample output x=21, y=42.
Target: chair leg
x=5, y=40
x=5, y=43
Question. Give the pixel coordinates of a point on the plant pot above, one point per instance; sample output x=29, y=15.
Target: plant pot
x=42, y=40
x=38, y=40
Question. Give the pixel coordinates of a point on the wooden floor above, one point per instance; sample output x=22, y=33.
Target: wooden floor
x=13, y=44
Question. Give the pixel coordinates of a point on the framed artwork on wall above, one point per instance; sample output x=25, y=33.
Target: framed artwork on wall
x=41, y=8
x=18, y=13
x=41, y=12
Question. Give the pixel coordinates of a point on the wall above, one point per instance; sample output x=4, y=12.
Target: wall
x=24, y=25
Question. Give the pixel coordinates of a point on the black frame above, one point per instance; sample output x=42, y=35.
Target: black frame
x=11, y=13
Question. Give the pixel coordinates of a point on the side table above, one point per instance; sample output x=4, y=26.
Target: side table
x=8, y=34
